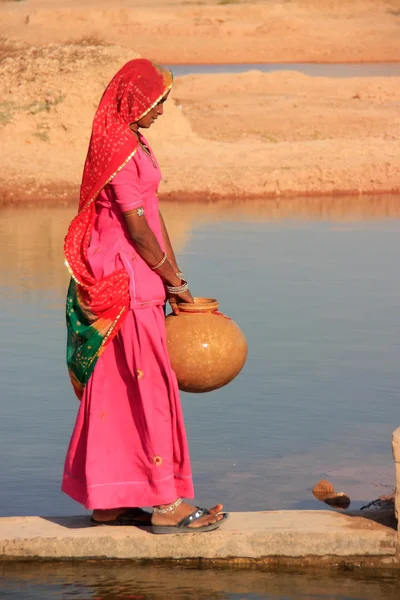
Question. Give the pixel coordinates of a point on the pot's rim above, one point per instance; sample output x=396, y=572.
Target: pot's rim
x=201, y=304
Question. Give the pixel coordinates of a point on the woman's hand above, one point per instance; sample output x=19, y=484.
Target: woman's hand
x=173, y=299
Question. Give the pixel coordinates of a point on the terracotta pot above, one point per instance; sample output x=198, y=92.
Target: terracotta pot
x=207, y=349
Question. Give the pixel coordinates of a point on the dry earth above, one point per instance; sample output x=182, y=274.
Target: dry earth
x=216, y=31
x=243, y=135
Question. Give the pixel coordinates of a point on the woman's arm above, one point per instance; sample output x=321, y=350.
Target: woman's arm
x=127, y=194
x=149, y=249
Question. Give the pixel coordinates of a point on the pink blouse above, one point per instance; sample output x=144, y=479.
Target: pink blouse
x=111, y=247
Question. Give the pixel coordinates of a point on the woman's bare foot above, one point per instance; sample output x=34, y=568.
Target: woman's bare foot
x=105, y=516
x=184, y=510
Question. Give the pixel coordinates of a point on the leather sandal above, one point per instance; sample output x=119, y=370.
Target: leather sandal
x=184, y=525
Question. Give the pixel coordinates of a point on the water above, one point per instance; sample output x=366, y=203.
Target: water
x=315, y=70
x=314, y=286
x=111, y=581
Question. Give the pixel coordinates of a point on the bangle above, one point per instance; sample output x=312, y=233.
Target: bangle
x=136, y=211
x=177, y=289
x=159, y=264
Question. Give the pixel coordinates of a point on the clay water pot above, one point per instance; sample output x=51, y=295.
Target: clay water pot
x=206, y=348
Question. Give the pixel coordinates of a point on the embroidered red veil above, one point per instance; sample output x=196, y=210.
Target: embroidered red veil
x=97, y=306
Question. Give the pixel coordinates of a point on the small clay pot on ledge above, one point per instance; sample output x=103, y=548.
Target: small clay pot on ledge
x=206, y=348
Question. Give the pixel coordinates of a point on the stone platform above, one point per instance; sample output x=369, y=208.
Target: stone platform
x=270, y=536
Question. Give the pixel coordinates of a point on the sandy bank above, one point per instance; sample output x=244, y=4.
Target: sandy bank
x=216, y=31
x=244, y=135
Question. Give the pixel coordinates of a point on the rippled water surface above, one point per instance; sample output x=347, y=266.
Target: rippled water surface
x=110, y=581
x=314, y=285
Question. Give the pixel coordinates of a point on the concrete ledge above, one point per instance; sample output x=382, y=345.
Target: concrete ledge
x=396, y=456
x=302, y=536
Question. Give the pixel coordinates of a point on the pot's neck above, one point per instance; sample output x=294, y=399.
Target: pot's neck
x=200, y=305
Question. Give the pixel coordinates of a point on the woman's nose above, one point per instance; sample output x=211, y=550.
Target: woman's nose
x=160, y=109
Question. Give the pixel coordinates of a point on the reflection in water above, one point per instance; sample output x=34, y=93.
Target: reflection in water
x=33, y=238
x=313, y=283
x=111, y=581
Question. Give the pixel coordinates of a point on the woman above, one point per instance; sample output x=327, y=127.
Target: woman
x=128, y=448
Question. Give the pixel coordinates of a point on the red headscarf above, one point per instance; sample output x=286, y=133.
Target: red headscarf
x=130, y=95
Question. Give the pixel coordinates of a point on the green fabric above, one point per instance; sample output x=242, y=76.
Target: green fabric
x=84, y=341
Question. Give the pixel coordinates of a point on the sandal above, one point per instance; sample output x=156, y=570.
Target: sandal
x=133, y=516
x=183, y=525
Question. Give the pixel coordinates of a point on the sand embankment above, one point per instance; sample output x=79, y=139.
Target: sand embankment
x=251, y=134
x=217, y=31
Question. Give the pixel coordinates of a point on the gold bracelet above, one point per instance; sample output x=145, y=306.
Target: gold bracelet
x=160, y=264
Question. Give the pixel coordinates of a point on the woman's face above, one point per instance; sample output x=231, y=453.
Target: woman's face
x=148, y=120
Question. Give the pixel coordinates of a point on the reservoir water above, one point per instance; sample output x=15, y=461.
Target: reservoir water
x=316, y=70
x=113, y=581
x=314, y=285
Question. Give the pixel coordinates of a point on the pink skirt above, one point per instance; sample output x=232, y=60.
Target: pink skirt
x=129, y=446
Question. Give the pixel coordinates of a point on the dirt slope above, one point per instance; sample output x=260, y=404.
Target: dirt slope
x=252, y=134
x=217, y=31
